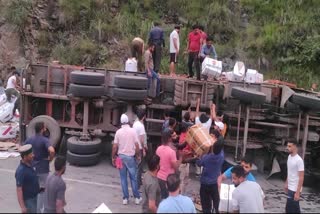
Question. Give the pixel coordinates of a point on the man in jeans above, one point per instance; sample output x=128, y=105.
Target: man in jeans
x=43, y=154
x=151, y=74
x=193, y=48
x=27, y=181
x=294, y=182
x=156, y=36
x=126, y=146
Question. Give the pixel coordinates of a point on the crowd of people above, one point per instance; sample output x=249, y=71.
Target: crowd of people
x=199, y=46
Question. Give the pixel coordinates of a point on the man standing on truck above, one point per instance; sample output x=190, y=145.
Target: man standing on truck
x=151, y=74
x=43, y=154
x=295, y=177
x=174, y=48
x=13, y=80
x=137, y=48
x=124, y=151
x=156, y=36
x=193, y=49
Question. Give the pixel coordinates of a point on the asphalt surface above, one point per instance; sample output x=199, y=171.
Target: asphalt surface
x=88, y=187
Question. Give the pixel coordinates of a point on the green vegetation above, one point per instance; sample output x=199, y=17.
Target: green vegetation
x=277, y=37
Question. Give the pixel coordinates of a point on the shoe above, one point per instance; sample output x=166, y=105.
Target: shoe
x=138, y=200
x=125, y=201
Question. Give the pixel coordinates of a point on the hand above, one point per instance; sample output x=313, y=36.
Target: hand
x=149, y=74
x=297, y=196
x=144, y=152
x=138, y=159
x=114, y=162
x=24, y=210
x=286, y=188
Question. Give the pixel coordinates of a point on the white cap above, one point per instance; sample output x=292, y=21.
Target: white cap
x=219, y=124
x=124, y=119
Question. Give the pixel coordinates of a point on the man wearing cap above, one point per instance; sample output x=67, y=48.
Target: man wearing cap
x=126, y=147
x=27, y=181
x=43, y=154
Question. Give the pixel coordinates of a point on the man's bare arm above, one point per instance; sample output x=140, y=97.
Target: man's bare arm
x=51, y=153
x=152, y=206
x=197, y=108
x=20, y=200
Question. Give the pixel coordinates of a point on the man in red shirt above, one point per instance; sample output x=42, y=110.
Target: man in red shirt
x=194, y=44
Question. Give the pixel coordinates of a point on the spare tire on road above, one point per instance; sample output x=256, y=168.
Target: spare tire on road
x=86, y=90
x=83, y=160
x=306, y=100
x=129, y=94
x=130, y=82
x=77, y=146
x=248, y=96
x=86, y=78
x=52, y=126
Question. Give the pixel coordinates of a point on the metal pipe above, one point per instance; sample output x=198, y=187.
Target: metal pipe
x=272, y=124
x=305, y=135
x=246, y=126
x=299, y=124
x=85, y=117
x=238, y=131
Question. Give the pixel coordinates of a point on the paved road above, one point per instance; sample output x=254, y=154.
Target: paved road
x=88, y=187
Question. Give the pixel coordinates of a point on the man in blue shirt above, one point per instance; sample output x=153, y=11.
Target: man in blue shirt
x=156, y=36
x=247, y=166
x=27, y=181
x=43, y=154
x=208, y=50
x=176, y=203
x=211, y=163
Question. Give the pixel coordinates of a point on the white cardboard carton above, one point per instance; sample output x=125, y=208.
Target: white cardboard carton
x=259, y=78
x=131, y=65
x=211, y=67
x=229, y=75
x=251, y=76
x=239, y=70
x=226, y=191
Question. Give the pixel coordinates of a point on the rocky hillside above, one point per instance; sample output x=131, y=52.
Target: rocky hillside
x=279, y=38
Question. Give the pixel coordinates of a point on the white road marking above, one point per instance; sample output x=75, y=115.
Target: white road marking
x=77, y=181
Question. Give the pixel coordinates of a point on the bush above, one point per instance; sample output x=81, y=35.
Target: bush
x=17, y=13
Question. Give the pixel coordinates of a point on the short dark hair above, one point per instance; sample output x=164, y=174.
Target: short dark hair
x=59, y=163
x=292, y=140
x=166, y=135
x=16, y=73
x=201, y=27
x=172, y=121
x=38, y=127
x=156, y=23
x=194, y=27
x=13, y=68
x=216, y=133
x=238, y=171
x=218, y=146
x=184, y=127
x=167, y=113
x=203, y=118
x=186, y=116
x=247, y=160
x=140, y=114
x=173, y=182
x=150, y=44
x=177, y=27
x=209, y=38
x=153, y=162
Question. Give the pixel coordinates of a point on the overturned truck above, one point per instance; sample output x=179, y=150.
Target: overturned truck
x=81, y=107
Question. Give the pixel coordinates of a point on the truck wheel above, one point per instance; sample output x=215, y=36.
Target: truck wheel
x=86, y=78
x=53, y=128
x=306, y=101
x=131, y=82
x=83, y=160
x=248, y=96
x=86, y=90
x=129, y=94
x=75, y=145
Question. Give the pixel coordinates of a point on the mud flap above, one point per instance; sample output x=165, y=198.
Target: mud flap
x=275, y=167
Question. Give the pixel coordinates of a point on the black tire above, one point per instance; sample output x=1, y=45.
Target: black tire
x=83, y=160
x=129, y=94
x=51, y=125
x=131, y=82
x=75, y=145
x=248, y=96
x=86, y=90
x=86, y=78
x=306, y=101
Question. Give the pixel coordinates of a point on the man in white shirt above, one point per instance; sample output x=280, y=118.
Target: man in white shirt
x=12, y=81
x=248, y=196
x=138, y=125
x=174, y=48
x=295, y=176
